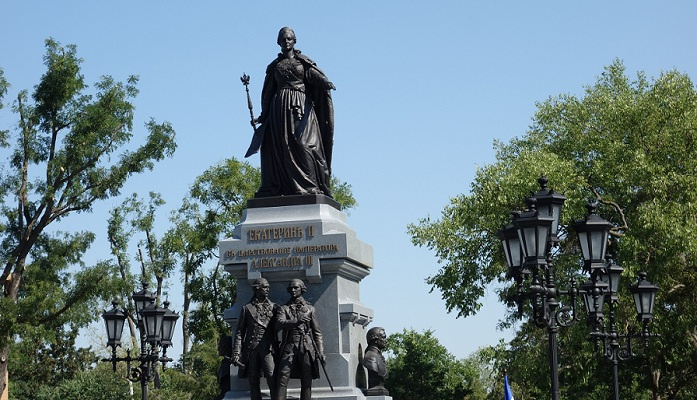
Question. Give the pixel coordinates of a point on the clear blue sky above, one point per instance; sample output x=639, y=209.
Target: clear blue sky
x=423, y=90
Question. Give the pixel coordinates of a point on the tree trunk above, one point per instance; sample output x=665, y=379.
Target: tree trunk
x=158, y=294
x=185, y=322
x=11, y=290
x=655, y=378
x=135, y=341
x=4, y=353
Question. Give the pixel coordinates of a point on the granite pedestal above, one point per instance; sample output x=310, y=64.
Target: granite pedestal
x=310, y=240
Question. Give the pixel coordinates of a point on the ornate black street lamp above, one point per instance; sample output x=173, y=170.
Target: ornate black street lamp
x=529, y=258
x=603, y=289
x=156, y=327
x=528, y=242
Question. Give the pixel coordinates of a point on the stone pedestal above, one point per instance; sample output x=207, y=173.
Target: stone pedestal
x=314, y=243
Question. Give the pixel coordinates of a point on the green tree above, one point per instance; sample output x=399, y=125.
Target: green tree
x=421, y=368
x=220, y=194
x=631, y=145
x=200, y=381
x=98, y=383
x=43, y=352
x=38, y=361
x=135, y=219
x=69, y=153
x=341, y=191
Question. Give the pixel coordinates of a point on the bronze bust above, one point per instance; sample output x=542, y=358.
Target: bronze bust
x=374, y=362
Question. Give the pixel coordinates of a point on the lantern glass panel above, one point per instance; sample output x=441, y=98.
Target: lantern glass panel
x=168, y=324
x=556, y=213
x=140, y=304
x=590, y=303
x=650, y=301
x=598, y=243
x=638, y=303
x=527, y=238
x=615, y=281
x=542, y=236
x=610, y=276
x=507, y=252
x=118, y=329
x=604, y=276
x=167, y=327
x=583, y=239
x=152, y=320
x=644, y=302
x=514, y=253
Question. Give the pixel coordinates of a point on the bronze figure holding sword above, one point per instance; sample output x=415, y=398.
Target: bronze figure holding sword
x=302, y=348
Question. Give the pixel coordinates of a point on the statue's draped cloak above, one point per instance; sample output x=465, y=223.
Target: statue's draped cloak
x=296, y=134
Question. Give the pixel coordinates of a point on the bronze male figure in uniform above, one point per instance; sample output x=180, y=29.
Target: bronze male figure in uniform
x=302, y=348
x=256, y=340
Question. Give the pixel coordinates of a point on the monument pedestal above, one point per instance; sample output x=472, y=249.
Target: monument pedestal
x=312, y=242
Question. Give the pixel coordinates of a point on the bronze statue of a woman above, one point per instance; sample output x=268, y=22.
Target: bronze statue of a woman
x=297, y=125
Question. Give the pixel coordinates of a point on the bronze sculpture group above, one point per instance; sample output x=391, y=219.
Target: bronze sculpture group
x=257, y=353
x=256, y=347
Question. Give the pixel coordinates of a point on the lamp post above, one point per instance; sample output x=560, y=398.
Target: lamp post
x=156, y=327
x=528, y=242
x=603, y=288
x=618, y=347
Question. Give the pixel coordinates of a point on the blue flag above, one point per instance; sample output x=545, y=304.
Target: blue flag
x=507, y=393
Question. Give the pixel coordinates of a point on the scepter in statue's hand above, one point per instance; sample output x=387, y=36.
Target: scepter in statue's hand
x=245, y=82
x=258, y=133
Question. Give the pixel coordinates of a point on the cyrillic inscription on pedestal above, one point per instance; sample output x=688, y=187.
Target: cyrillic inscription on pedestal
x=282, y=248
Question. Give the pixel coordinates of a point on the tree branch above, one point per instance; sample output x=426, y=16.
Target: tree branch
x=69, y=179
x=617, y=231
x=80, y=295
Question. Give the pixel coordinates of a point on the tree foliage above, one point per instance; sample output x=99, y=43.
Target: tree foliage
x=421, y=368
x=39, y=362
x=629, y=144
x=69, y=151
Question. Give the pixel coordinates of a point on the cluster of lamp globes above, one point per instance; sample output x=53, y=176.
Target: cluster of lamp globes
x=156, y=324
x=527, y=243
